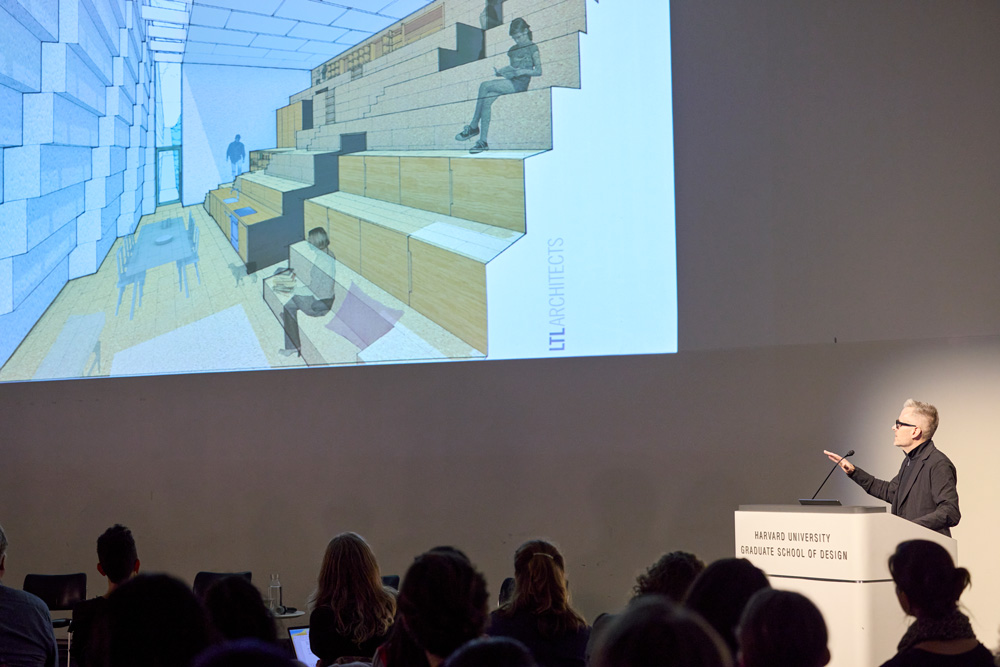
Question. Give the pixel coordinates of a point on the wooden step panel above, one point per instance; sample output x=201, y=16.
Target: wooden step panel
x=382, y=178
x=385, y=260
x=314, y=215
x=352, y=174
x=345, y=239
x=425, y=183
x=451, y=290
x=490, y=191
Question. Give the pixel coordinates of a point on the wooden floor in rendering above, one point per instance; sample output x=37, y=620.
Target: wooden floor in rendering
x=165, y=309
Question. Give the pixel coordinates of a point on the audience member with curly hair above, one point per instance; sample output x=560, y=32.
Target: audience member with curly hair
x=539, y=613
x=928, y=586
x=672, y=575
x=352, y=611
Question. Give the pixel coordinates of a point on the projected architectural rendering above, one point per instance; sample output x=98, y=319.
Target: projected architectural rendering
x=219, y=185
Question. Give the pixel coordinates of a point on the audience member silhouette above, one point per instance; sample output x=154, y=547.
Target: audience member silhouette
x=399, y=648
x=26, y=636
x=352, y=611
x=246, y=652
x=117, y=560
x=672, y=575
x=782, y=628
x=154, y=621
x=928, y=586
x=237, y=610
x=655, y=631
x=720, y=593
x=442, y=604
x=492, y=652
x=539, y=613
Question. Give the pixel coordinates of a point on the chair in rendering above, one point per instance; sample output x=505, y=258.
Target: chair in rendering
x=137, y=280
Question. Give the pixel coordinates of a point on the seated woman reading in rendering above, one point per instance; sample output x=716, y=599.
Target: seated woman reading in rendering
x=525, y=62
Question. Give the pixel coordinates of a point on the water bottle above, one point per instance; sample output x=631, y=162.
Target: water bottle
x=274, y=595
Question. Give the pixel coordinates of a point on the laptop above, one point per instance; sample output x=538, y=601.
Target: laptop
x=299, y=637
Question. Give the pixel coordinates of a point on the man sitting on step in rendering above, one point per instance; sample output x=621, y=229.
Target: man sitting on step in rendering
x=314, y=300
x=525, y=62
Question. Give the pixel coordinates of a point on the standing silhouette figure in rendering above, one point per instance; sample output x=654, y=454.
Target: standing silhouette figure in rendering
x=236, y=153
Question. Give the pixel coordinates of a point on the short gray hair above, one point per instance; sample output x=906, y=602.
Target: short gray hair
x=3, y=543
x=927, y=411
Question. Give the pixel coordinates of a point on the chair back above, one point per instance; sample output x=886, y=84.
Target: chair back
x=59, y=592
x=120, y=255
x=391, y=580
x=204, y=580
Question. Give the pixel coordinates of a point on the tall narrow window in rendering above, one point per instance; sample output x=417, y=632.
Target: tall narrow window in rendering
x=168, y=133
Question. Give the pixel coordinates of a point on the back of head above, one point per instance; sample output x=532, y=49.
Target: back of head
x=655, y=631
x=492, y=652
x=442, y=602
x=236, y=610
x=245, y=653
x=350, y=584
x=116, y=553
x=540, y=589
x=721, y=592
x=319, y=238
x=155, y=621
x=925, y=572
x=782, y=628
x=671, y=575
x=3, y=544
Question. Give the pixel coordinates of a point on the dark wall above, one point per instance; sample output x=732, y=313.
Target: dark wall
x=836, y=170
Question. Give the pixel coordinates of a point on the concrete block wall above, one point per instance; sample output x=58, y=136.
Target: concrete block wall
x=403, y=102
x=75, y=151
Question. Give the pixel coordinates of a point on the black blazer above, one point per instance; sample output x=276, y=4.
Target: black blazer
x=930, y=497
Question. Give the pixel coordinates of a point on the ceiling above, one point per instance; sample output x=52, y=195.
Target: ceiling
x=286, y=34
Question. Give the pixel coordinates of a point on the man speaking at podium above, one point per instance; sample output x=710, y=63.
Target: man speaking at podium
x=924, y=491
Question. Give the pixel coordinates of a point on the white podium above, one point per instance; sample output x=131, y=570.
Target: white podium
x=838, y=558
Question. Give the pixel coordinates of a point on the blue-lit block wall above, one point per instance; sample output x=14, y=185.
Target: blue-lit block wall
x=75, y=104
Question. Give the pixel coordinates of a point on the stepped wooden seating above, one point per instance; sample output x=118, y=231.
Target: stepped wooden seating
x=405, y=100
x=373, y=326
x=423, y=226
x=261, y=213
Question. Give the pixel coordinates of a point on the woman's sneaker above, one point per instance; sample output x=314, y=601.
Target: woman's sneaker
x=467, y=133
x=479, y=147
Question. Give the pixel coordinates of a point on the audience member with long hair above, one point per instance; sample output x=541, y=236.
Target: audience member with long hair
x=539, y=614
x=442, y=604
x=782, y=628
x=721, y=592
x=352, y=611
x=928, y=586
x=655, y=631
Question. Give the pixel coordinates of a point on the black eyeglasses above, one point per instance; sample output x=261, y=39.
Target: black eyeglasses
x=899, y=423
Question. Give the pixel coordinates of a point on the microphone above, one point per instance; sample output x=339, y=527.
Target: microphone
x=848, y=454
